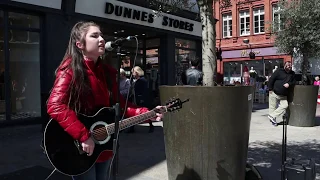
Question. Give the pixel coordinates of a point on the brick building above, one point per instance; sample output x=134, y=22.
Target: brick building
x=245, y=26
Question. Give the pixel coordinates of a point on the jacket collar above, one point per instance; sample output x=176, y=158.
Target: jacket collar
x=90, y=63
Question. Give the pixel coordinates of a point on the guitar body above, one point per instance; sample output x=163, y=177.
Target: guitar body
x=65, y=154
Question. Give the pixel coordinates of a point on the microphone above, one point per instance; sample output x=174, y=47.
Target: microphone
x=112, y=44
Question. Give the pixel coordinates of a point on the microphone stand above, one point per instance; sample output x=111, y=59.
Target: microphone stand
x=117, y=118
x=284, y=146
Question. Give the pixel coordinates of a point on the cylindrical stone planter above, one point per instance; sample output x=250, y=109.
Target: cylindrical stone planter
x=303, y=106
x=208, y=138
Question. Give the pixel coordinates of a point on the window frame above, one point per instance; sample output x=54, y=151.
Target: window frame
x=245, y=16
x=257, y=12
x=227, y=17
x=276, y=10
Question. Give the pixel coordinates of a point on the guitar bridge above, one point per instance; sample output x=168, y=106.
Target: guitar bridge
x=79, y=147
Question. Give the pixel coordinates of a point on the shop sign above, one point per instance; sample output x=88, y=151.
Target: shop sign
x=245, y=53
x=125, y=12
x=144, y=16
x=269, y=51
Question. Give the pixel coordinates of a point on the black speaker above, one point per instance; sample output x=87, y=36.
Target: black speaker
x=301, y=169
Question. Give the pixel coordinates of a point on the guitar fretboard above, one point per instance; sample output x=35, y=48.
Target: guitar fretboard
x=131, y=121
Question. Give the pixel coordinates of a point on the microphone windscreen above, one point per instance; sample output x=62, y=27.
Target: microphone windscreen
x=108, y=46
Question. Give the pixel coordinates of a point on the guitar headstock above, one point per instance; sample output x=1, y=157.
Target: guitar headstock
x=174, y=104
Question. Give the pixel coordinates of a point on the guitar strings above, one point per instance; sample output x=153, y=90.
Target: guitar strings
x=123, y=123
x=101, y=131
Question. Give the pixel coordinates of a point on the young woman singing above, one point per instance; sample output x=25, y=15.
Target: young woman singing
x=80, y=87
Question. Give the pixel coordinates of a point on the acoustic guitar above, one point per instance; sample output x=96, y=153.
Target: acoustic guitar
x=66, y=154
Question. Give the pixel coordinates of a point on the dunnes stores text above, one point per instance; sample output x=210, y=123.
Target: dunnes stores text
x=147, y=17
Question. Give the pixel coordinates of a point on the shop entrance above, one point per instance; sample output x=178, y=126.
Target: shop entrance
x=147, y=56
x=162, y=56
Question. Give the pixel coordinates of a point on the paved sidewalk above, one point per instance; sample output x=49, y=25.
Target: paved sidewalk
x=142, y=155
x=266, y=141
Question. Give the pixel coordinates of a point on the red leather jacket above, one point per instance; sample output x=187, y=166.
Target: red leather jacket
x=58, y=109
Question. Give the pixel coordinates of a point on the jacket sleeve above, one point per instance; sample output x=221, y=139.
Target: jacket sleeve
x=126, y=88
x=272, y=80
x=200, y=78
x=57, y=108
x=132, y=110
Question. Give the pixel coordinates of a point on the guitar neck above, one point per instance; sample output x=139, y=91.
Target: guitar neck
x=126, y=123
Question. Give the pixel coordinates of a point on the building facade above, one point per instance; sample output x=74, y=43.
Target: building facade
x=34, y=35
x=244, y=26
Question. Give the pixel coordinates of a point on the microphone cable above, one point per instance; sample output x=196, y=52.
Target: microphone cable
x=125, y=109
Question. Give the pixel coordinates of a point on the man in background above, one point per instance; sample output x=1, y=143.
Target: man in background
x=192, y=76
x=280, y=82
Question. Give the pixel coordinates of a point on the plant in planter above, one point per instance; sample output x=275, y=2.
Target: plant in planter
x=209, y=136
x=299, y=36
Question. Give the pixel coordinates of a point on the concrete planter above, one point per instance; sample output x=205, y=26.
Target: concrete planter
x=208, y=138
x=303, y=106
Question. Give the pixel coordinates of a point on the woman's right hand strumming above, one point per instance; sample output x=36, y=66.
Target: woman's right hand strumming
x=88, y=146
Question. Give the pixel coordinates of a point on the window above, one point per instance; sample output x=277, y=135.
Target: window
x=244, y=23
x=258, y=15
x=182, y=43
x=185, y=52
x=277, y=18
x=227, y=25
x=24, y=64
x=23, y=20
x=272, y=64
x=232, y=72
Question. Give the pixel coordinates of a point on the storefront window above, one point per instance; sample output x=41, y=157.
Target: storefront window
x=152, y=58
x=232, y=72
x=152, y=66
x=24, y=50
x=254, y=66
x=182, y=43
x=270, y=65
x=185, y=52
x=23, y=20
x=151, y=43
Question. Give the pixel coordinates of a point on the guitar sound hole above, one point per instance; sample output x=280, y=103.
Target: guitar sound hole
x=100, y=133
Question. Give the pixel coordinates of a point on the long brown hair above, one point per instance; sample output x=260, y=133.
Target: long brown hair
x=79, y=86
